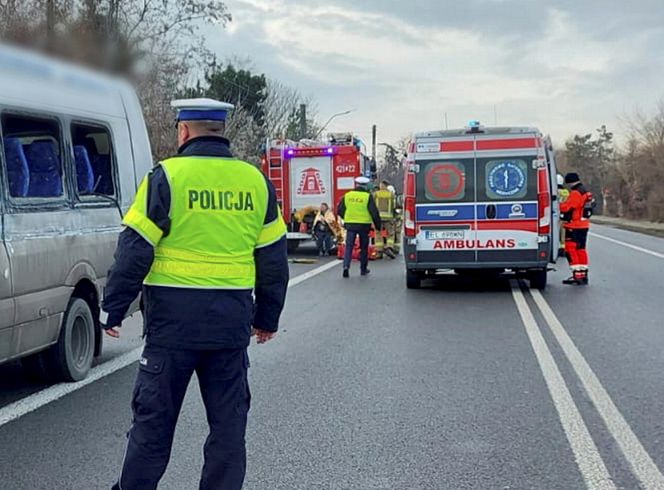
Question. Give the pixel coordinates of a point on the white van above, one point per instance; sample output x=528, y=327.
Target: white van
x=481, y=198
x=73, y=148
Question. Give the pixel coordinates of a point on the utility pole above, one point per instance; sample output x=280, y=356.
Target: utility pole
x=373, y=142
x=303, y=121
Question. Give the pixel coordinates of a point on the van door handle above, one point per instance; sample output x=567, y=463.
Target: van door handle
x=491, y=211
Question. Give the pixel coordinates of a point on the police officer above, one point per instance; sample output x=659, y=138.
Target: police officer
x=204, y=231
x=358, y=210
x=575, y=212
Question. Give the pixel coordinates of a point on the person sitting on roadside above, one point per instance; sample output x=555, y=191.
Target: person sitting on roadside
x=324, y=229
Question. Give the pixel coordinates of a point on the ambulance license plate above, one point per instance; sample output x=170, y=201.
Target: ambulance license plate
x=445, y=234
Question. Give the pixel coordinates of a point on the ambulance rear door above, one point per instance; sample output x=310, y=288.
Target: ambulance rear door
x=555, y=200
x=506, y=198
x=445, y=200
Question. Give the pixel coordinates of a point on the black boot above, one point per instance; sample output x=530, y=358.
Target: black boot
x=345, y=273
x=571, y=281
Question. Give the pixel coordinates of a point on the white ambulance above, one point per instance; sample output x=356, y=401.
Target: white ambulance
x=480, y=198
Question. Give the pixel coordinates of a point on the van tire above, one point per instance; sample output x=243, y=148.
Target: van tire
x=538, y=279
x=413, y=279
x=71, y=357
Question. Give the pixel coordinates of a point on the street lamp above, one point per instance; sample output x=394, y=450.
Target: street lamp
x=330, y=120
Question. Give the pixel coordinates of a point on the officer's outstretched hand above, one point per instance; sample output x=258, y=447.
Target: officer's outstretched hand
x=262, y=336
x=110, y=330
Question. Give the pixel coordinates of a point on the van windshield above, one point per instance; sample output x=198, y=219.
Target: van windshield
x=446, y=181
x=506, y=179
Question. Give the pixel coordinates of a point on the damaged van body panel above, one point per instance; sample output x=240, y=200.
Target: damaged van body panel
x=73, y=149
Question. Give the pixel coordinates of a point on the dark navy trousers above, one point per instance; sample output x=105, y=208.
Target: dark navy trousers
x=161, y=384
x=364, y=248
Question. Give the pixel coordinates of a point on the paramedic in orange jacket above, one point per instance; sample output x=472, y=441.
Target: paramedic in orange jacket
x=575, y=212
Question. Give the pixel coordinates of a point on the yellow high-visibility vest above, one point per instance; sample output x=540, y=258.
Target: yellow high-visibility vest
x=385, y=204
x=357, y=208
x=218, y=209
x=563, y=194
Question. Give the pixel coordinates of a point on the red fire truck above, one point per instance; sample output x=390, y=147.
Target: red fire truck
x=308, y=173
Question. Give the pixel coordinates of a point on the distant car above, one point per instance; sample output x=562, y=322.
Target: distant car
x=73, y=149
x=480, y=199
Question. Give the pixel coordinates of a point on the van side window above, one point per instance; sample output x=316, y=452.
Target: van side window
x=94, y=160
x=33, y=153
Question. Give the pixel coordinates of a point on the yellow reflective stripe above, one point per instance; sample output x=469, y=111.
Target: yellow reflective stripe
x=143, y=226
x=271, y=233
x=203, y=270
x=175, y=253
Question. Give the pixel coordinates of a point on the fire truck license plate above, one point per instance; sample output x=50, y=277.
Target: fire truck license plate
x=444, y=235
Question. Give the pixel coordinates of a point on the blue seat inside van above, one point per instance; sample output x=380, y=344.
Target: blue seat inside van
x=101, y=166
x=85, y=178
x=44, y=164
x=18, y=172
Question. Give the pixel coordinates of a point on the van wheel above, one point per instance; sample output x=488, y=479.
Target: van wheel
x=71, y=357
x=538, y=279
x=413, y=279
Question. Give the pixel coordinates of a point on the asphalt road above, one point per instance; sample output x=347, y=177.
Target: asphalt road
x=462, y=385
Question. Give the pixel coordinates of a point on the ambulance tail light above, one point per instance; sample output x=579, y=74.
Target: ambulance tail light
x=409, y=185
x=544, y=202
x=545, y=215
x=409, y=217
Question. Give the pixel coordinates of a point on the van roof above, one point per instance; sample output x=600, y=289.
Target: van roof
x=30, y=80
x=484, y=130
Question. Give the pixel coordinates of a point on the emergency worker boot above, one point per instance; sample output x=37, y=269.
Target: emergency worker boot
x=571, y=281
x=365, y=272
x=345, y=274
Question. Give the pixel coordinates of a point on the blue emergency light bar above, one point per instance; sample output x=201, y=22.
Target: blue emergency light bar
x=309, y=152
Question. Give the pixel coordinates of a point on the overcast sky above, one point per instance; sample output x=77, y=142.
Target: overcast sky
x=565, y=66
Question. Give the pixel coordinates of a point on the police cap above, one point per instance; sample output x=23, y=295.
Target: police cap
x=362, y=181
x=201, y=109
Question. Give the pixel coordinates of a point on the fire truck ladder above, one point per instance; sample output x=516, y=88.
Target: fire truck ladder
x=276, y=176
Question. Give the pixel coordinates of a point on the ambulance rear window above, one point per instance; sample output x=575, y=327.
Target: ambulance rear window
x=506, y=179
x=446, y=181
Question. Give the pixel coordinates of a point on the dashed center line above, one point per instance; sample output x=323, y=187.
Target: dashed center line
x=587, y=456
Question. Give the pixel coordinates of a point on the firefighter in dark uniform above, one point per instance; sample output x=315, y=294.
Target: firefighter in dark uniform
x=358, y=210
x=203, y=233
x=576, y=211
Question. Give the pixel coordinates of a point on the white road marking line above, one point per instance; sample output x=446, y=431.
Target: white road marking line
x=642, y=464
x=33, y=402
x=37, y=400
x=314, y=272
x=628, y=245
x=586, y=454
